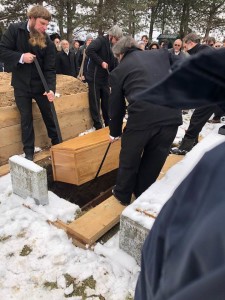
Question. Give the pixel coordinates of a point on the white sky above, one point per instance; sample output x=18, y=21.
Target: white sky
x=53, y=255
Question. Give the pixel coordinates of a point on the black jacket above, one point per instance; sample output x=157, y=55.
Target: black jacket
x=198, y=81
x=66, y=64
x=137, y=71
x=183, y=257
x=25, y=76
x=198, y=48
x=99, y=51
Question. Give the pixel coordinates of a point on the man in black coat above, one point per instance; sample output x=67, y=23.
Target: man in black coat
x=200, y=115
x=100, y=62
x=18, y=47
x=66, y=62
x=184, y=255
x=150, y=129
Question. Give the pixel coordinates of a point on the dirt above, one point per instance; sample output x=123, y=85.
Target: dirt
x=83, y=194
x=65, y=85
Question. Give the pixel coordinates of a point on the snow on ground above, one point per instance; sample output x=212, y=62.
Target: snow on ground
x=39, y=261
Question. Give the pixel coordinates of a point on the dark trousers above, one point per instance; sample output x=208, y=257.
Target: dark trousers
x=99, y=98
x=198, y=119
x=24, y=104
x=143, y=154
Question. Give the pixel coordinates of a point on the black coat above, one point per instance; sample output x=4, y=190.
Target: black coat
x=183, y=257
x=25, y=76
x=99, y=51
x=198, y=81
x=137, y=71
x=66, y=64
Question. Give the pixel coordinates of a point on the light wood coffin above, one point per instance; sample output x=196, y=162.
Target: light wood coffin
x=77, y=161
x=73, y=116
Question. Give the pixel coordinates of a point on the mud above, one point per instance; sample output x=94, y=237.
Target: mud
x=83, y=194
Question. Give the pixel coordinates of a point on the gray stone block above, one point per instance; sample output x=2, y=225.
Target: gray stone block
x=28, y=179
x=132, y=237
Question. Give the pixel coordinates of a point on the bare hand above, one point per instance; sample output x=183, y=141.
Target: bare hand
x=113, y=139
x=28, y=58
x=50, y=95
x=104, y=65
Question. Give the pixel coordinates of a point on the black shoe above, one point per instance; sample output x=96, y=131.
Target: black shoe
x=185, y=146
x=117, y=198
x=222, y=130
x=29, y=157
x=177, y=151
x=55, y=141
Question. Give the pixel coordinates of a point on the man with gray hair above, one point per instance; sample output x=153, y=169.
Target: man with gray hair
x=101, y=61
x=150, y=129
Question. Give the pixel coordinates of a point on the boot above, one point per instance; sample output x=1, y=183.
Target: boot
x=185, y=146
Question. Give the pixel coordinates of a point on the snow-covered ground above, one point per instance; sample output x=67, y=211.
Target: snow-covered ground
x=38, y=261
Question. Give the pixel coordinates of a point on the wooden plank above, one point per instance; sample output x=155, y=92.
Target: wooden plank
x=38, y=156
x=70, y=119
x=85, y=141
x=79, y=102
x=96, y=222
x=72, y=124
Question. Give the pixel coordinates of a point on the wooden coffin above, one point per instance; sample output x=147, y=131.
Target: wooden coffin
x=77, y=160
x=73, y=116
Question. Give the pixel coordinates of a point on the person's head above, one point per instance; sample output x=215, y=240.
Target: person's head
x=38, y=20
x=65, y=45
x=89, y=39
x=177, y=45
x=191, y=40
x=144, y=38
x=141, y=45
x=163, y=44
x=123, y=45
x=218, y=45
x=209, y=41
x=56, y=41
x=76, y=44
x=154, y=45
x=115, y=33
x=223, y=42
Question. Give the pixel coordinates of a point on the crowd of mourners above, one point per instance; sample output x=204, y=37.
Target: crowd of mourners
x=153, y=83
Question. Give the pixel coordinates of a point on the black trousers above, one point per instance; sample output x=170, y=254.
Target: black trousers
x=198, y=119
x=99, y=98
x=143, y=154
x=24, y=104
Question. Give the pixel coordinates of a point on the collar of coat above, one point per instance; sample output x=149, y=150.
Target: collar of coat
x=130, y=50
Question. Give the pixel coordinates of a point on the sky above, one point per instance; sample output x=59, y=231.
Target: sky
x=35, y=255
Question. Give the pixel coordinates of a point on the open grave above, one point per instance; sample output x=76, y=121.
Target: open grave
x=93, y=195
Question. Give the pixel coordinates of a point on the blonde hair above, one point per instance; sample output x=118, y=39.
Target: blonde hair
x=39, y=11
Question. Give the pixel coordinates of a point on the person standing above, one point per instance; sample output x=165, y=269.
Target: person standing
x=176, y=52
x=101, y=61
x=66, y=62
x=82, y=58
x=20, y=44
x=150, y=129
x=200, y=115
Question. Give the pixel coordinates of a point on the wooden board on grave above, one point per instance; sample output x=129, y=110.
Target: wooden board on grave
x=96, y=222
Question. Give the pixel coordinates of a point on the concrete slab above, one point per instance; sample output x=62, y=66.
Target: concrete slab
x=28, y=179
x=132, y=237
